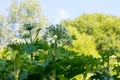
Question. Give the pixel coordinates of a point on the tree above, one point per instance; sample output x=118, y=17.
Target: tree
x=104, y=31
x=25, y=12
x=4, y=30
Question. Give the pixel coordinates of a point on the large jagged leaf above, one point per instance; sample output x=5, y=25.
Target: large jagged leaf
x=29, y=49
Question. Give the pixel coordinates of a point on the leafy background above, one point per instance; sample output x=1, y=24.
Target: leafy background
x=85, y=48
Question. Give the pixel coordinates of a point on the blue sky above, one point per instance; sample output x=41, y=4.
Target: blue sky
x=56, y=10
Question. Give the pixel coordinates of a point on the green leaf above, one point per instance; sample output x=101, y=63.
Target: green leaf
x=23, y=74
x=29, y=49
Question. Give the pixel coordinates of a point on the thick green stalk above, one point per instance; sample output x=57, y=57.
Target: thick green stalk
x=31, y=42
x=108, y=66
x=54, y=52
x=30, y=36
x=16, y=69
x=53, y=75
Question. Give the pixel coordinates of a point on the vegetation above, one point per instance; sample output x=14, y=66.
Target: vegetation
x=86, y=48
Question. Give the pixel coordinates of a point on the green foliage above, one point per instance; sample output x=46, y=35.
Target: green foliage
x=86, y=48
x=79, y=44
x=58, y=35
x=104, y=33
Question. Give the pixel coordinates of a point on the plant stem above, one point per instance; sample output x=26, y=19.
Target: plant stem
x=16, y=69
x=30, y=36
x=108, y=65
x=31, y=42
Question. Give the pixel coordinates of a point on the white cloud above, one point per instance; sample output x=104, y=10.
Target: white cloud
x=63, y=14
